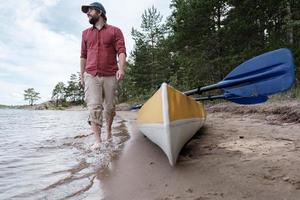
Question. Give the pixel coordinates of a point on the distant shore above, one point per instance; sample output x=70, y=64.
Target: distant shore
x=50, y=106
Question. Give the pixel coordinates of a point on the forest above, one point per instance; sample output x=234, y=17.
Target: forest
x=203, y=40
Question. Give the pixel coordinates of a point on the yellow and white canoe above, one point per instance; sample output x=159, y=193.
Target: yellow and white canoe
x=169, y=119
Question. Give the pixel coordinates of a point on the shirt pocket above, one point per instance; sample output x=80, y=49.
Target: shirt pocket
x=108, y=40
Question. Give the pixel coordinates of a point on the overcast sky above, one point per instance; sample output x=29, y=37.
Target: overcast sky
x=40, y=41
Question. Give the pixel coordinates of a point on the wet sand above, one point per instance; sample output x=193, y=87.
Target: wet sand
x=234, y=156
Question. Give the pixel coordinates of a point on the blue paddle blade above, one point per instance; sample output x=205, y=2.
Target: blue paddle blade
x=263, y=75
x=245, y=100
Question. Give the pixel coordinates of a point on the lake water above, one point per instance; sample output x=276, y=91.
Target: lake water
x=47, y=154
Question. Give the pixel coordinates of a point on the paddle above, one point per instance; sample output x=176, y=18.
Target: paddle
x=266, y=74
x=229, y=97
x=236, y=99
x=254, y=80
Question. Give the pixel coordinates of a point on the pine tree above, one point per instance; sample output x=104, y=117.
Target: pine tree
x=147, y=71
x=59, y=93
x=73, y=88
x=31, y=96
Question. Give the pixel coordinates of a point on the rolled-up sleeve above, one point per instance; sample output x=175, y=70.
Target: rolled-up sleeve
x=83, y=47
x=119, y=42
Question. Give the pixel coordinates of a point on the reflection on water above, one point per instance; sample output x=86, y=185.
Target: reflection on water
x=47, y=155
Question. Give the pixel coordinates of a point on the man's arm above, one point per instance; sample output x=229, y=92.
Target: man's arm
x=82, y=69
x=83, y=57
x=122, y=64
x=121, y=50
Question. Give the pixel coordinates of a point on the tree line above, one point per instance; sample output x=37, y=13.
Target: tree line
x=62, y=94
x=203, y=40
x=72, y=92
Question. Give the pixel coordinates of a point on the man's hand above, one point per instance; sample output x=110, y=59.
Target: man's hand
x=120, y=74
x=82, y=70
x=82, y=81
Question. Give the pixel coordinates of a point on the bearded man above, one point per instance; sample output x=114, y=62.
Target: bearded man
x=102, y=65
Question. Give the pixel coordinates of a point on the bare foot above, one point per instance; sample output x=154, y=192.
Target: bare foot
x=109, y=140
x=109, y=137
x=96, y=146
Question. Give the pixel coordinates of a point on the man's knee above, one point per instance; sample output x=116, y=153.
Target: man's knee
x=109, y=112
x=95, y=114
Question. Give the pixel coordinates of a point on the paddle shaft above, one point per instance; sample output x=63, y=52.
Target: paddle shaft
x=235, y=82
x=222, y=96
x=211, y=97
x=199, y=90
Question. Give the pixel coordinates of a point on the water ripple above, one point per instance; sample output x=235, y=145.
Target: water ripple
x=47, y=154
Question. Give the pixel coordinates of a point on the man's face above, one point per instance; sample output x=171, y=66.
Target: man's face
x=93, y=16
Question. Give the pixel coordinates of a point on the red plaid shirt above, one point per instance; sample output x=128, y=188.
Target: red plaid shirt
x=100, y=48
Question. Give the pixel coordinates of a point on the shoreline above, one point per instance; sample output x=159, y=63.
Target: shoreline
x=229, y=158
x=47, y=106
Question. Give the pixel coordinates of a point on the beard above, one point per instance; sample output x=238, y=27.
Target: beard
x=94, y=20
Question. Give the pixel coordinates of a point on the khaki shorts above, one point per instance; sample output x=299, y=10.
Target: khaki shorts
x=100, y=94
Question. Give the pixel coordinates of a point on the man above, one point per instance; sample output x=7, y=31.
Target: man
x=100, y=72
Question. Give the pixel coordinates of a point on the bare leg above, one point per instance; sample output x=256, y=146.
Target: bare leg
x=109, y=124
x=97, y=132
x=110, y=94
x=94, y=100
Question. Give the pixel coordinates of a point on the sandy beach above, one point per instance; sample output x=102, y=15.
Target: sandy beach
x=236, y=155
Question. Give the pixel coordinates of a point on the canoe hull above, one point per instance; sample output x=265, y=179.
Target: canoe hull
x=170, y=119
x=173, y=137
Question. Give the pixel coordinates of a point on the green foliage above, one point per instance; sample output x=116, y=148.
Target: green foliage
x=59, y=93
x=66, y=95
x=149, y=67
x=73, y=91
x=31, y=96
x=201, y=41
